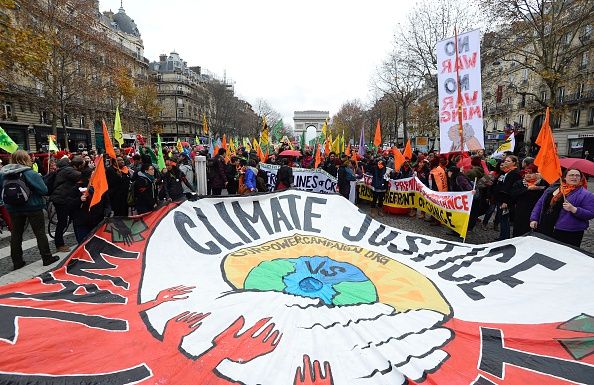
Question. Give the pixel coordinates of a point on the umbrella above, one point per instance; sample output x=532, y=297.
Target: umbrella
x=585, y=166
x=290, y=153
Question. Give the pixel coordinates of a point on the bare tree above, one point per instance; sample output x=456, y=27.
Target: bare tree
x=428, y=22
x=349, y=119
x=399, y=81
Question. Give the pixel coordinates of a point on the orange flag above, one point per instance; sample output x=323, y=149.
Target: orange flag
x=399, y=159
x=224, y=142
x=318, y=157
x=408, y=150
x=547, y=159
x=108, y=146
x=377, y=139
x=260, y=154
x=348, y=151
x=327, y=146
x=98, y=182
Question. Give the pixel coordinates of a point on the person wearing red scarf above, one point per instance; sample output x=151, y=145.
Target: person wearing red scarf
x=565, y=210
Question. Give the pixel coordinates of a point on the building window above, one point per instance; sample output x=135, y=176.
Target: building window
x=560, y=94
x=591, y=116
x=575, y=117
x=495, y=125
x=508, y=100
x=543, y=96
x=499, y=94
x=43, y=117
x=521, y=120
x=6, y=113
x=584, y=60
x=525, y=75
x=580, y=91
x=81, y=121
x=557, y=121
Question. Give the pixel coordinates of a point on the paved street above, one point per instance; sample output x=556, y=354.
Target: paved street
x=34, y=266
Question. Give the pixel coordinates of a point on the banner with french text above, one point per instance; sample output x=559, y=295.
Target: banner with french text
x=306, y=179
x=450, y=208
x=463, y=71
x=296, y=288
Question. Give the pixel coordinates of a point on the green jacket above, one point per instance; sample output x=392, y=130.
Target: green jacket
x=35, y=183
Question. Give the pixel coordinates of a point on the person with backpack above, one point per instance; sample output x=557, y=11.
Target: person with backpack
x=173, y=181
x=22, y=193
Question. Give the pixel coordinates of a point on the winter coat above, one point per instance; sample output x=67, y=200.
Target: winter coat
x=345, y=177
x=581, y=198
x=218, y=177
x=188, y=172
x=145, y=190
x=249, y=178
x=378, y=182
x=35, y=183
x=174, y=183
x=525, y=201
x=66, y=191
x=502, y=190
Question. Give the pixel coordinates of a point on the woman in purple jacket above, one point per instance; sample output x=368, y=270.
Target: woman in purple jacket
x=563, y=211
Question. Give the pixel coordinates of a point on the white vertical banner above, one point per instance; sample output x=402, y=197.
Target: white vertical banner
x=469, y=69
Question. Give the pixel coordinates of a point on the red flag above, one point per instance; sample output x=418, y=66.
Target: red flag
x=318, y=157
x=108, y=146
x=377, y=139
x=408, y=150
x=399, y=159
x=547, y=159
x=98, y=181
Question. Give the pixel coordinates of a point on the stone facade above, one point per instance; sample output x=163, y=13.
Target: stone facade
x=304, y=119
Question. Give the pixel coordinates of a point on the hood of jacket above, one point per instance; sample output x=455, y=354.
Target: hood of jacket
x=14, y=169
x=63, y=162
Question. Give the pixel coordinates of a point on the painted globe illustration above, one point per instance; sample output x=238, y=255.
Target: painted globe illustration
x=333, y=282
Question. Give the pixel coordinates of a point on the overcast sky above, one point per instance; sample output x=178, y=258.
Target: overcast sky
x=297, y=55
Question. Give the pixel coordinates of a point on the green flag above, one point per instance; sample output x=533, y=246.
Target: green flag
x=276, y=130
x=6, y=143
x=117, y=129
x=160, y=158
x=302, y=142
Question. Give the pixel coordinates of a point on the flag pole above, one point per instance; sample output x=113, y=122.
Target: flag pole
x=460, y=127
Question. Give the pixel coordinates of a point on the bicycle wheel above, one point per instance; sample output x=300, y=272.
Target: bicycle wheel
x=52, y=220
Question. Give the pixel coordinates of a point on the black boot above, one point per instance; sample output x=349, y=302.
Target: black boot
x=49, y=260
x=18, y=265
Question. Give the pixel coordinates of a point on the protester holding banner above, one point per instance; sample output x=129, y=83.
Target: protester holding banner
x=345, y=177
x=31, y=210
x=379, y=184
x=145, y=189
x=284, y=176
x=503, y=197
x=526, y=192
x=564, y=210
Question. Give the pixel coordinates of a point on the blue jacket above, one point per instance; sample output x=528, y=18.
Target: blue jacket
x=250, y=178
x=581, y=198
x=35, y=183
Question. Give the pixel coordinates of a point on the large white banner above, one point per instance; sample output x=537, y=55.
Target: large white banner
x=469, y=70
x=306, y=179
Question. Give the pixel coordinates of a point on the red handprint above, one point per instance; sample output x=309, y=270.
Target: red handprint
x=166, y=295
x=312, y=375
x=180, y=326
x=247, y=346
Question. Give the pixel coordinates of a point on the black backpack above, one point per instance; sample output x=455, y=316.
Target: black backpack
x=50, y=181
x=15, y=191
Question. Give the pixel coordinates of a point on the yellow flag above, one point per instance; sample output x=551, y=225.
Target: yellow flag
x=204, y=124
x=231, y=146
x=255, y=144
x=117, y=129
x=324, y=128
x=52, y=143
x=264, y=137
x=336, y=145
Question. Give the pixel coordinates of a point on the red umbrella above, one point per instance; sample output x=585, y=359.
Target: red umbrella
x=585, y=166
x=290, y=153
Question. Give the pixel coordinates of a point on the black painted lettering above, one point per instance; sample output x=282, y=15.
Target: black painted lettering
x=181, y=220
x=257, y=216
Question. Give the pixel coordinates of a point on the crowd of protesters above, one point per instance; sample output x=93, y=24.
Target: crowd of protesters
x=507, y=190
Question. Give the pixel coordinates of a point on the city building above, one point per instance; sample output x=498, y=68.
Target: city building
x=513, y=98
x=97, y=47
x=183, y=97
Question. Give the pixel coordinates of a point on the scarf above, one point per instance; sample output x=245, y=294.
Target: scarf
x=566, y=189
